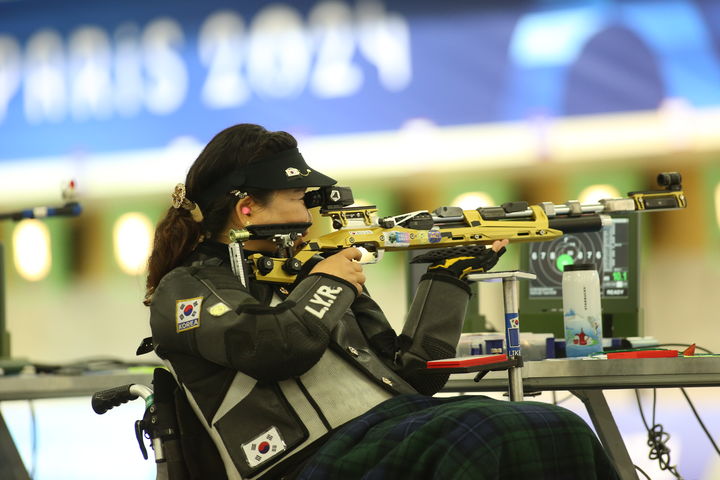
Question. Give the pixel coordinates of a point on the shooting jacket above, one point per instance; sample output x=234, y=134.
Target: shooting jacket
x=272, y=370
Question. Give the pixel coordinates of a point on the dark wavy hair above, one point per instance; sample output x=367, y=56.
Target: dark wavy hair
x=178, y=234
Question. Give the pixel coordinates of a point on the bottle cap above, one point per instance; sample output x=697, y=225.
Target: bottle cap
x=579, y=266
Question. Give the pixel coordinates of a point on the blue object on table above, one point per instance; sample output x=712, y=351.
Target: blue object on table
x=549, y=347
x=494, y=346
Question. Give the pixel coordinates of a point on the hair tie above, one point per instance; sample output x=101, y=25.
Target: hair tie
x=179, y=200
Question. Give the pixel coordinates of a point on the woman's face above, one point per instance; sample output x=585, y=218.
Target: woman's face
x=285, y=206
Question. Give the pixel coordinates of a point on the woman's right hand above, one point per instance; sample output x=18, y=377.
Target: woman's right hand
x=343, y=265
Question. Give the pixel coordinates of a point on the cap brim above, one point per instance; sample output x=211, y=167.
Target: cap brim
x=285, y=170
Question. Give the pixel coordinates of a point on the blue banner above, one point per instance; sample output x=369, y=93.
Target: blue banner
x=86, y=76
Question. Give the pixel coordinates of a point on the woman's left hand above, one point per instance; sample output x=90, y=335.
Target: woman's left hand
x=498, y=244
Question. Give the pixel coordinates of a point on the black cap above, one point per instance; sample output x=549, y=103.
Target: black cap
x=579, y=266
x=283, y=170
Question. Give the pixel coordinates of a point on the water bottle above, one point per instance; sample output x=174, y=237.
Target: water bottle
x=582, y=314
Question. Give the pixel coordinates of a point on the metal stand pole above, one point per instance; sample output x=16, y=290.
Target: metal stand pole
x=512, y=335
x=512, y=323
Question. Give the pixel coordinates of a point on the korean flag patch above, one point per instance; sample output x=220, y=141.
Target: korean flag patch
x=187, y=314
x=264, y=447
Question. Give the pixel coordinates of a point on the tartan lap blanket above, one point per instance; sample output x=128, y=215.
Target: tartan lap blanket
x=461, y=438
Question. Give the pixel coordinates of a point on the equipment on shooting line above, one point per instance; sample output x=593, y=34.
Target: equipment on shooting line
x=458, y=232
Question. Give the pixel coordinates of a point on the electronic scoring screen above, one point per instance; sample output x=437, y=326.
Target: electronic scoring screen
x=608, y=249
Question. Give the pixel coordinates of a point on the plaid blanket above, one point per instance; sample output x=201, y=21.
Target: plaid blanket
x=458, y=438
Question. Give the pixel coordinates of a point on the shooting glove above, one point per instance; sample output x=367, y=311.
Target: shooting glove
x=460, y=261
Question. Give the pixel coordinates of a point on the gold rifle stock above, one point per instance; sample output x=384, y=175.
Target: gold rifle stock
x=359, y=228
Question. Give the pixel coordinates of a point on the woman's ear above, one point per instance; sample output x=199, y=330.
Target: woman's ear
x=243, y=210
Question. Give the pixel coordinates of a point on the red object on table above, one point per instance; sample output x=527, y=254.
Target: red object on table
x=467, y=361
x=643, y=354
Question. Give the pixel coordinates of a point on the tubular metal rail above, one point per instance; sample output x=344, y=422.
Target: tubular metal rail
x=159, y=423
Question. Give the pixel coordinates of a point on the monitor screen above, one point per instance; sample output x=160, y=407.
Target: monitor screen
x=614, y=251
x=608, y=249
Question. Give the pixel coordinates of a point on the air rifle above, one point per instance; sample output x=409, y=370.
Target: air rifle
x=466, y=232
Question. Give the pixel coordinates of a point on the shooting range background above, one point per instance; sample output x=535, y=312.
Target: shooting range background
x=411, y=103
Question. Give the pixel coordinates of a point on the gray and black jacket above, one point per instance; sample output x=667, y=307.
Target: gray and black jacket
x=272, y=370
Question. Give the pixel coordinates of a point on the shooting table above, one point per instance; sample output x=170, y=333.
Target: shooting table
x=587, y=378
x=31, y=387
x=584, y=378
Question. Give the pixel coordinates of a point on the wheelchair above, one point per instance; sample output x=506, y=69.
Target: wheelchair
x=182, y=447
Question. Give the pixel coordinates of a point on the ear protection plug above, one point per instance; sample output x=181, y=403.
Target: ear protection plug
x=245, y=210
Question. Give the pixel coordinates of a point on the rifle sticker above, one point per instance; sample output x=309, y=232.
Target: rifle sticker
x=434, y=236
x=397, y=239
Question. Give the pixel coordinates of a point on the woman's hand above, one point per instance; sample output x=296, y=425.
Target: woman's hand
x=343, y=265
x=498, y=244
x=462, y=261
